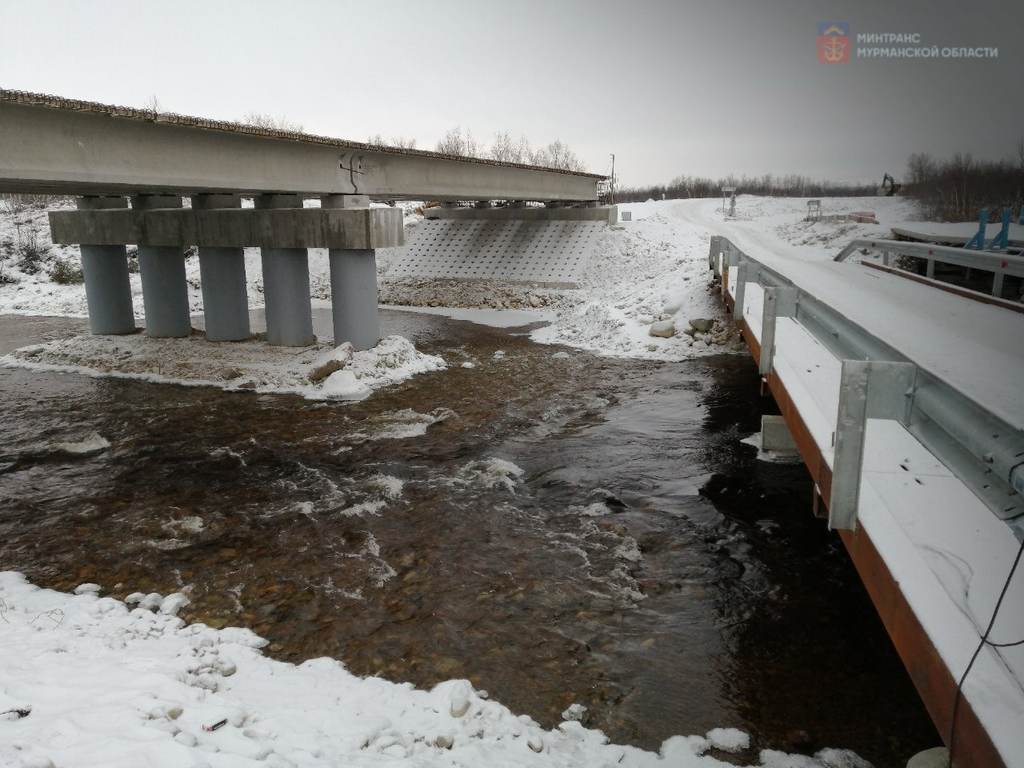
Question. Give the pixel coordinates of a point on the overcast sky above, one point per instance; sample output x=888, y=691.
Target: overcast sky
x=709, y=88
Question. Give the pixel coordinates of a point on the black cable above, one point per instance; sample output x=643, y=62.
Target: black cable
x=982, y=644
x=1004, y=645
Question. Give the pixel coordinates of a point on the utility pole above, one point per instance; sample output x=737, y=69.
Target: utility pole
x=611, y=186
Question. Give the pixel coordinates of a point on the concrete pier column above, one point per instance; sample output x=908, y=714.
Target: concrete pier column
x=286, y=285
x=353, y=285
x=108, y=290
x=222, y=279
x=164, y=289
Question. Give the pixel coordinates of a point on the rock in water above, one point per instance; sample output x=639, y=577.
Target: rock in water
x=574, y=712
x=664, y=329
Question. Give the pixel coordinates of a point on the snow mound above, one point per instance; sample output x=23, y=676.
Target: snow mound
x=728, y=739
x=394, y=359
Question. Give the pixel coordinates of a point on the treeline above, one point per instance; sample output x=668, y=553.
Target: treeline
x=958, y=188
x=507, y=149
x=791, y=185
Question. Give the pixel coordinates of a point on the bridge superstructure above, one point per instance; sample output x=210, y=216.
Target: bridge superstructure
x=131, y=168
x=904, y=404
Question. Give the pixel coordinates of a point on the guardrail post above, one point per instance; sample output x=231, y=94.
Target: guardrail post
x=713, y=251
x=778, y=302
x=108, y=288
x=222, y=279
x=740, y=290
x=997, y=284
x=164, y=286
x=286, y=285
x=868, y=389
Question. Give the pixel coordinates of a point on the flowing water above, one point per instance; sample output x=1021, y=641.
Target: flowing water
x=644, y=563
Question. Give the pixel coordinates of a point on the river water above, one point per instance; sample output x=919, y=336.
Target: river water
x=644, y=563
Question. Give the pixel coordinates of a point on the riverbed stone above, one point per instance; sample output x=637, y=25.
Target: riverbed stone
x=664, y=329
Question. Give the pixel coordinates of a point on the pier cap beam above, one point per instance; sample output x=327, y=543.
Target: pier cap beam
x=259, y=227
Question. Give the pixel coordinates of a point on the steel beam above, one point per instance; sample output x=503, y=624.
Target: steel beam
x=868, y=389
x=51, y=145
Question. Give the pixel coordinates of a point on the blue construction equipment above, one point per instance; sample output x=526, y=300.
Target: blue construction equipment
x=1002, y=240
x=978, y=241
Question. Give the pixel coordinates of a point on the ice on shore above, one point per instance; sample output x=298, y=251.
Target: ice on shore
x=318, y=372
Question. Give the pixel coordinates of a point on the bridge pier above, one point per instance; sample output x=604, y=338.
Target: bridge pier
x=108, y=289
x=162, y=269
x=222, y=279
x=353, y=285
x=286, y=285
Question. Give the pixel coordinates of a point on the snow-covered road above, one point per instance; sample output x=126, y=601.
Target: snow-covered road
x=975, y=347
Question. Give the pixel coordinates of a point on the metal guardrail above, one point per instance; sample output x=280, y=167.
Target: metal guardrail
x=999, y=264
x=981, y=449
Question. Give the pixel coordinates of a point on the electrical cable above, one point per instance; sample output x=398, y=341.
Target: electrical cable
x=982, y=644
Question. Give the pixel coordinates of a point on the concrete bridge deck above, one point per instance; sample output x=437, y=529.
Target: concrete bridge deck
x=933, y=554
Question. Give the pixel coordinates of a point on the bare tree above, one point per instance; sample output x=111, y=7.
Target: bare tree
x=508, y=150
x=557, y=155
x=271, y=123
x=153, y=105
x=459, y=144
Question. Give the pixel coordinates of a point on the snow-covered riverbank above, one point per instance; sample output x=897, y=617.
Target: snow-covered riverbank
x=88, y=681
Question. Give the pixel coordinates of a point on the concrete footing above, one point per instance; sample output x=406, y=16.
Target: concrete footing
x=164, y=287
x=286, y=285
x=222, y=279
x=108, y=289
x=775, y=435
